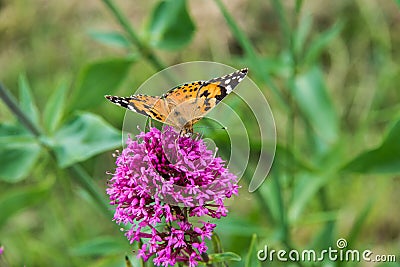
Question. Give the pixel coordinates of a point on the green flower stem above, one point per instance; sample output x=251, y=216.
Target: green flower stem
x=323, y=199
x=217, y=246
x=290, y=131
x=277, y=4
x=81, y=176
x=216, y=241
x=251, y=54
x=133, y=36
x=285, y=227
x=12, y=104
x=86, y=181
x=263, y=203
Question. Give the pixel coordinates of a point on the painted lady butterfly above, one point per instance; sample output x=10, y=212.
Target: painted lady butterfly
x=183, y=105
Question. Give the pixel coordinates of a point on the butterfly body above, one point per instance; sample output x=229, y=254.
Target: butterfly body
x=183, y=105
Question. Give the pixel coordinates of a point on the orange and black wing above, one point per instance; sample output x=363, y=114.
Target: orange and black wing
x=151, y=106
x=220, y=87
x=185, y=104
x=216, y=88
x=191, y=101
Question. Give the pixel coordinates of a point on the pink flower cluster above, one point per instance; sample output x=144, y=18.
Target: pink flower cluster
x=162, y=184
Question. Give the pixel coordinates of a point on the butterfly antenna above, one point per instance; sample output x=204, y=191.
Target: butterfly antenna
x=214, y=128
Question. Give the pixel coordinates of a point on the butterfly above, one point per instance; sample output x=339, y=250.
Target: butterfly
x=183, y=105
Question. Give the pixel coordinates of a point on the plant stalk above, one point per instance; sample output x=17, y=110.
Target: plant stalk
x=125, y=24
x=11, y=103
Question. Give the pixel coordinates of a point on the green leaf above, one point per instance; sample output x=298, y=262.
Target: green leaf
x=110, y=38
x=305, y=189
x=19, y=152
x=224, y=256
x=319, y=43
x=54, y=108
x=299, y=163
x=299, y=3
x=16, y=200
x=384, y=159
x=250, y=262
x=273, y=199
x=239, y=226
x=312, y=98
x=26, y=100
x=252, y=57
x=216, y=242
x=217, y=248
x=98, y=79
x=302, y=32
x=170, y=26
x=83, y=137
x=104, y=245
x=325, y=238
x=358, y=223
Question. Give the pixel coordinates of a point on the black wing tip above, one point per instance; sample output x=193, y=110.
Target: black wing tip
x=109, y=97
x=244, y=70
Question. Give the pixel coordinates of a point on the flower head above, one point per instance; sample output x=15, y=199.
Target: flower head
x=161, y=183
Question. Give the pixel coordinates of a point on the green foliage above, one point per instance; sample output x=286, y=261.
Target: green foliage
x=306, y=188
x=54, y=109
x=19, y=152
x=318, y=45
x=104, y=245
x=358, y=224
x=384, y=159
x=110, y=38
x=224, y=256
x=312, y=98
x=98, y=79
x=250, y=259
x=19, y=199
x=26, y=100
x=82, y=137
x=170, y=25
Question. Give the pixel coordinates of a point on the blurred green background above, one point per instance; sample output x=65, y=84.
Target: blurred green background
x=329, y=69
